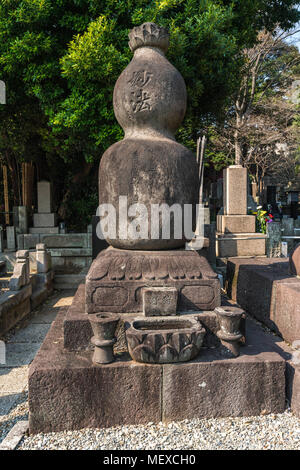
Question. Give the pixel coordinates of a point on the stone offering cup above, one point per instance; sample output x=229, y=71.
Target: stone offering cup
x=104, y=326
x=230, y=324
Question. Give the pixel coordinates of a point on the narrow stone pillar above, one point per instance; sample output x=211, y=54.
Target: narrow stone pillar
x=21, y=274
x=11, y=238
x=42, y=258
x=273, y=242
x=235, y=190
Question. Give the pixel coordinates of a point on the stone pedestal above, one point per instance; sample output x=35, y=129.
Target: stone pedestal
x=11, y=238
x=116, y=278
x=67, y=391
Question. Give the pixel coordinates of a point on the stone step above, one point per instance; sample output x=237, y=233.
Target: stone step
x=68, y=281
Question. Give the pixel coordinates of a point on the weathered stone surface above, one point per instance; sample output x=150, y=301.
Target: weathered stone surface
x=30, y=240
x=44, y=219
x=159, y=301
x=236, y=223
x=148, y=165
x=67, y=240
x=66, y=391
x=164, y=340
x=240, y=244
x=44, y=197
x=115, y=280
x=286, y=310
x=11, y=238
x=295, y=261
x=235, y=190
x=21, y=272
x=273, y=242
x=264, y=288
x=243, y=386
x=20, y=218
x=78, y=332
x=14, y=305
x=44, y=230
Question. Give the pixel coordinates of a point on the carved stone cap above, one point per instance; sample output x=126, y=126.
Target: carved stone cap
x=149, y=34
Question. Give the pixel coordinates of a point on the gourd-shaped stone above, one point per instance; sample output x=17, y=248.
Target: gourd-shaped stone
x=148, y=165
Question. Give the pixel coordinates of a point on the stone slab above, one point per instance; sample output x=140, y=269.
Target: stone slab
x=248, y=244
x=264, y=288
x=30, y=240
x=44, y=196
x=20, y=354
x=44, y=230
x=115, y=280
x=14, y=436
x=67, y=391
x=33, y=333
x=44, y=220
x=68, y=281
x=39, y=296
x=66, y=240
x=11, y=238
x=235, y=190
x=20, y=217
x=286, y=309
x=236, y=223
x=13, y=307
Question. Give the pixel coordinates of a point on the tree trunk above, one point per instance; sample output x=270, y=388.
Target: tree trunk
x=237, y=142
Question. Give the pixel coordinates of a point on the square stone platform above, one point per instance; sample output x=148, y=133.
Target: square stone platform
x=67, y=391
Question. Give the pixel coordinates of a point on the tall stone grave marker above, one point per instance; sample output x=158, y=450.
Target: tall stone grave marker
x=236, y=229
x=45, y=220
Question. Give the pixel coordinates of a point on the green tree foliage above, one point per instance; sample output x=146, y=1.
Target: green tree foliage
x=61, y=58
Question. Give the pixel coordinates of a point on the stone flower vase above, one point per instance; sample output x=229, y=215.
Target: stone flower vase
x=104, y=326
x=230, y=325
x=148, y=166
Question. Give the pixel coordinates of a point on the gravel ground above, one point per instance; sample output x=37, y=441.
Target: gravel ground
x=18, y=412
x=280, y=432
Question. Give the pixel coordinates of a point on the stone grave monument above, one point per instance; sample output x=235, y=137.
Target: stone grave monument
x=45, y=220
x=235, y=228
x=146, y=338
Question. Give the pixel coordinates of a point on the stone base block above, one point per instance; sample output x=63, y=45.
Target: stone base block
x=115, y=280
x=240, y=244
x=236, y=223
x=44, y=220
x=44, y=230
x=67, y=391
x=266, y=290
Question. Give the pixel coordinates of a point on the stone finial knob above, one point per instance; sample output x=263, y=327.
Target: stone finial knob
x=149, y=34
